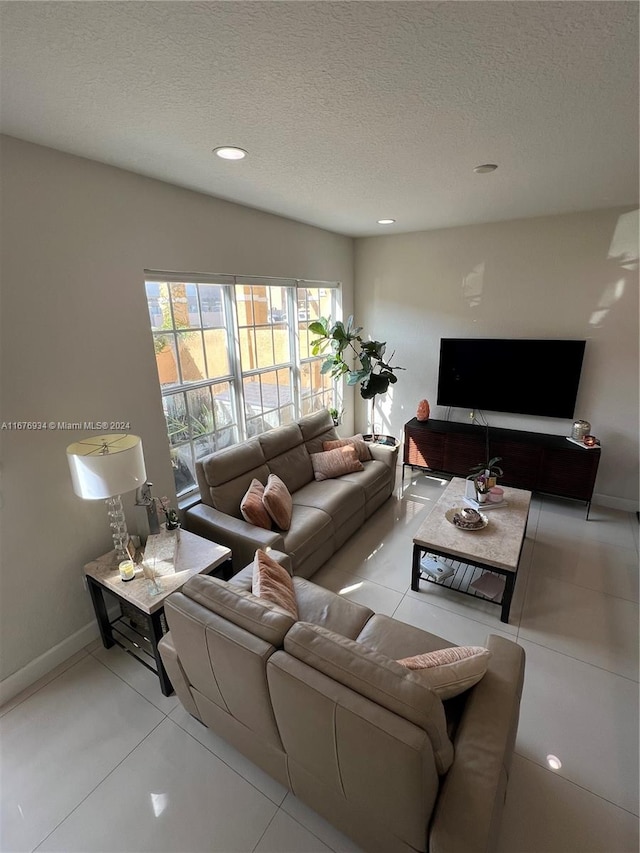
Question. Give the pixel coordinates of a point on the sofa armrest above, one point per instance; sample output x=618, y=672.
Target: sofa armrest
x=243, y=538
x=469, y=808
x=387, y=454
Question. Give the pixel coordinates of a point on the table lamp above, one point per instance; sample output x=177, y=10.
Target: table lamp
x=106, y=466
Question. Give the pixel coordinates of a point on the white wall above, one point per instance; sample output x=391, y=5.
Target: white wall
x=572, y=276
x=76, y=346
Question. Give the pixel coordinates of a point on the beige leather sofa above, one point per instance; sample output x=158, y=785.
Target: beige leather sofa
x=325, y=513
x=322, y=706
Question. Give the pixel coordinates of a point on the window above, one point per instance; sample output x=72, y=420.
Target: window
x=234, y=359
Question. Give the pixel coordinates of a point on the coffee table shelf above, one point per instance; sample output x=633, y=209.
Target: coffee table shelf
x=462, y=579
x=495, y=549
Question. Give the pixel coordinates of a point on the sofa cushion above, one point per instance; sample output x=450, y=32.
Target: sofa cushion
x=376, y=677
x=322, y=607
x=272, y=582
x=338, y=499
x=224, y=476
x=375, y=477
x=236, y=605
x=396, y=639
x=357, y=441
x=310, y=529
x=287, y=456
x=277, y=502
x=252, y=508
x=334, y=463
x=451, y=671
x=317, y=428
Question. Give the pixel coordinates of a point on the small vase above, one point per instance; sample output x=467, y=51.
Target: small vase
x=173, y=527
x=482, y=497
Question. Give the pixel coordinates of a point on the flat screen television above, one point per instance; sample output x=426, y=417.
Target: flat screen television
x=526, y=377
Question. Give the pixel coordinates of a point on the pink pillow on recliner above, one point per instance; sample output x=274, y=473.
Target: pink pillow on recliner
x=277, y=502
x=272, y=582
x=335, y=463
x=450, y=671
x=252, y=508
x=361, y=446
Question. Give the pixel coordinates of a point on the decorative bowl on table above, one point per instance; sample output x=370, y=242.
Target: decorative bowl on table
x=466, y=518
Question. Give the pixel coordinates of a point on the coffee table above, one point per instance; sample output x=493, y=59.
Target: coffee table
x=141, y=624
x=496, y=548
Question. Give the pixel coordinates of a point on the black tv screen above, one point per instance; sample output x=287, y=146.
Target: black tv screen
x=526, y=377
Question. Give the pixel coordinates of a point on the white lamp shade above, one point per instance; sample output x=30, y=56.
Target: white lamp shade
x=106, y=465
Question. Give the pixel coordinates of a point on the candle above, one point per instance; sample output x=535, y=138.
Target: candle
x=496, y=495
x=127, y=570
x=590, y=440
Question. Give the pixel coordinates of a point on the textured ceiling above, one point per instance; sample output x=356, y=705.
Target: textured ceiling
x=350, y=111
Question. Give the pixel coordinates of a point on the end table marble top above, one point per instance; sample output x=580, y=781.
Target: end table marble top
x=194, y=555
x=498, y=544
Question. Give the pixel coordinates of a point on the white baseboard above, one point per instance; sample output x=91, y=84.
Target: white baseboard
x=41, y=666
x=615, y=503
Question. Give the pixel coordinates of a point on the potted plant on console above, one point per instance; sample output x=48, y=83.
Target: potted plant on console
x=485, y=476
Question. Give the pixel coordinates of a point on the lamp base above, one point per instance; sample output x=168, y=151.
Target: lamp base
x=118, y=525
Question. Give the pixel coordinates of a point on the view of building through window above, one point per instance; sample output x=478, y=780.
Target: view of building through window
x=234, y=360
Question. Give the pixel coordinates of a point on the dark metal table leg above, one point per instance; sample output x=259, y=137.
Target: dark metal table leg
x=100, y=609
x=156, y=636
x=507, y=595
x=415, y=568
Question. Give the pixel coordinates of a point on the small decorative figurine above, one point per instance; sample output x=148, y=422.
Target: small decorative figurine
x=423, y=410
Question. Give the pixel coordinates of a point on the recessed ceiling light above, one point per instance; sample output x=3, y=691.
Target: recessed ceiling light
x=554, y=762
x=386, y=221
x=230, y=152
x=486, y=167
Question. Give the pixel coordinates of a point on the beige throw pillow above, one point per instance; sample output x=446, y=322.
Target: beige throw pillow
x=252, y=508
x=449, y=672
x=361, y=446
x=277, y=502
x=273, y=583
x=335, y=463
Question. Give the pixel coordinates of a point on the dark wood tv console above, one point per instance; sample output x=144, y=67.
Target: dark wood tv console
x=530, y=460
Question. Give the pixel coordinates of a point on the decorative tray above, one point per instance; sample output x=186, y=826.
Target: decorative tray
x=465, y=518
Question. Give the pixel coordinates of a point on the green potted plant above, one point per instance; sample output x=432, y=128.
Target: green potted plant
x=336, y=415
x=375, y=374
x=170, y=514
x=484, y=477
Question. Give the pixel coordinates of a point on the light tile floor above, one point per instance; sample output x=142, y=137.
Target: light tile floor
x=94, y=758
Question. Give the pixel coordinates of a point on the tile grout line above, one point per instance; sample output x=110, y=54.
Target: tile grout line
x=574, y=783
x=97, y=785
x=35, y=690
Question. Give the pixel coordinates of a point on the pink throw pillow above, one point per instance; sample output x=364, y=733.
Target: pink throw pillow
x=252, y=508
x=273, y=583
x=449, y=672
x=361, y=446
x=277, y=502
x=335, y=463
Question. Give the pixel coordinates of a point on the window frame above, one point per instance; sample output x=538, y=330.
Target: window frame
x=240, y=425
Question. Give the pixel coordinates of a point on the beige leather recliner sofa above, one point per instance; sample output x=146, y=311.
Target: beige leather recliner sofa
x=322, y=705
x=325, y=513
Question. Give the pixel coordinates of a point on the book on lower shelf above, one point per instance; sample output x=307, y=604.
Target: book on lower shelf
x=489, y=585
x=486, y=505
x=436, y=569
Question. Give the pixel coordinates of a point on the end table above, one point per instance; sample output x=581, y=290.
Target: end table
x=145, y=609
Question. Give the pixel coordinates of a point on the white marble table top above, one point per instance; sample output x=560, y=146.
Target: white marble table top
x=498, y=544
x=194, y=555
